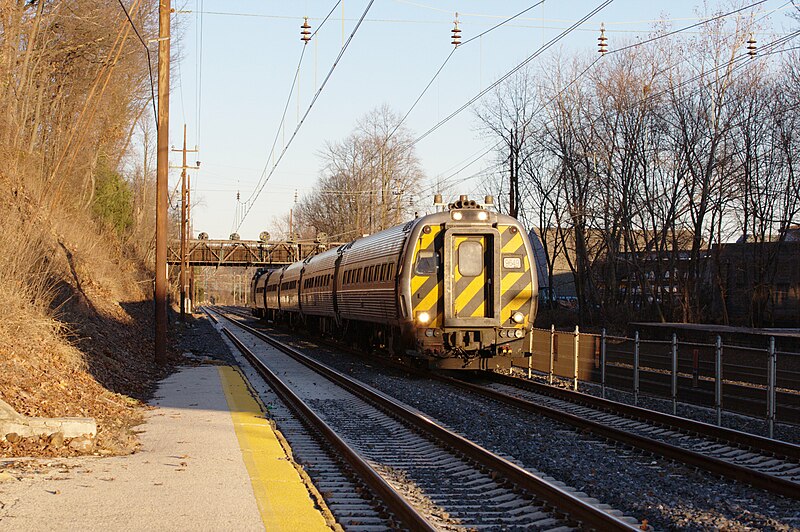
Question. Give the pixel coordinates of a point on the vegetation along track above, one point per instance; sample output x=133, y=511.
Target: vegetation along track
x=764, y=463
x=428, y=476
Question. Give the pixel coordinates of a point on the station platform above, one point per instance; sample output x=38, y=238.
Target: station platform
x=209, y=460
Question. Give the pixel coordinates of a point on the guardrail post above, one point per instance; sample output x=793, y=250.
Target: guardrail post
x=530, y=352
x=603, y=363
x=771, y=392
x=674, y=374
x=576, y=344
x=636, y=368
x=552, y=342
x=718, y=380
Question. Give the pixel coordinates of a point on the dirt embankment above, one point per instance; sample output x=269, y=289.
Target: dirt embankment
x=77, y=336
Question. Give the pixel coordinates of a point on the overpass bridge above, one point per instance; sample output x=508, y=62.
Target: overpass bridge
x=246, y=252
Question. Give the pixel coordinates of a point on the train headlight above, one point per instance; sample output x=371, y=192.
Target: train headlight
x=457, y=215
x=518, y=317
x=483, y=216
x=519, y=333
x=423, y=317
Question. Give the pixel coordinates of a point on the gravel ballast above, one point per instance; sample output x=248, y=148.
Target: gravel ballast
x=666, y=494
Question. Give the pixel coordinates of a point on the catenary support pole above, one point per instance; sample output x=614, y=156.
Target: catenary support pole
x=183, y=229
x=185, y=217
x=162, y=178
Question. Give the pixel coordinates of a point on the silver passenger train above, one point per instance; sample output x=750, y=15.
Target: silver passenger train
x=455, y=289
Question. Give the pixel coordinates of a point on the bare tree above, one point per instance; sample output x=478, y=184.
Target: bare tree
x=367, y=180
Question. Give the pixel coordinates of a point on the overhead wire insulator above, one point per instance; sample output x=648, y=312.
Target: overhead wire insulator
x=305, y=31
x=602, y=45
x=751, y=46
x=456, y=33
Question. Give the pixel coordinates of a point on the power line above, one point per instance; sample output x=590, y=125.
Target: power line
x=651, y=95
x=439, y=71
x=447, y=59
x=149, y=62
x=543, y=20
x=305, y=115
x=288, y=101
x=527, y=60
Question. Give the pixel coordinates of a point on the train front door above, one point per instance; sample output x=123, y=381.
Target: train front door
x=470, y=291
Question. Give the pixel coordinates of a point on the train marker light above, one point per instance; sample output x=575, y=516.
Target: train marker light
x=428, y=332
x=519, y=333
x=423, y=317
x=518, y=317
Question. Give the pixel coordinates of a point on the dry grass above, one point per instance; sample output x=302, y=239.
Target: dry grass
x=71, y=341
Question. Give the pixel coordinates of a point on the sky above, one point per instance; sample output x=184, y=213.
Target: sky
x=238, y=59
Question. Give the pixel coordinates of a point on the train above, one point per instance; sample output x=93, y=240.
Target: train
x=456, y=289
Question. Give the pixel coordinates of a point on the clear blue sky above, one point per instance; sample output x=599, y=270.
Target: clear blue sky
x=250, y=50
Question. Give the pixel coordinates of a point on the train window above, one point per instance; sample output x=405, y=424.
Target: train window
x=470, y=258
x=391, y=271
x=383, y=272
x=427, y=262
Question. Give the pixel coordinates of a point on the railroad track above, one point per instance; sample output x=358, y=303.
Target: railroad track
x=347, y=498
x=768, y=464
x=427, y=476
x=764, y=463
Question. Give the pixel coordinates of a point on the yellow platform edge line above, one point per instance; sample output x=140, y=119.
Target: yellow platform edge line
x=283, y=500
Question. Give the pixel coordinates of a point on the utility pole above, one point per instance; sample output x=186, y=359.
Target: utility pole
x=162, y=178
x=192, y=295
x=184, y=223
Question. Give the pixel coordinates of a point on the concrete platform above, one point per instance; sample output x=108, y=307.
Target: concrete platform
x=209, y=461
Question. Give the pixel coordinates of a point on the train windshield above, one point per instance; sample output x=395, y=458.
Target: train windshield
x=427, y=262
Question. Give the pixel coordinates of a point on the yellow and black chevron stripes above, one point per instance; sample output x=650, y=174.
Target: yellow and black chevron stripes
x=516, y=286
x=470, y=294
x=427, y=290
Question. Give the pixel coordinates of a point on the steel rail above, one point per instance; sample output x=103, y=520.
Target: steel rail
x=711, y=464
x=590, y=516
x=394, y=501
x=751, y=441
x=714, y=465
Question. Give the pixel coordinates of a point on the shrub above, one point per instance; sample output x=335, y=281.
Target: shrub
x=113, y=200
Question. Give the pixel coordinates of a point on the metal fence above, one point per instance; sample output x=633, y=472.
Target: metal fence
x=734, y=378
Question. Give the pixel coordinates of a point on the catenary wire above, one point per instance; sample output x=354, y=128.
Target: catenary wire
x=308, y=110
x=288, y=101
x=657, y=37
x=510, y=73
